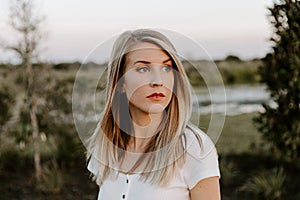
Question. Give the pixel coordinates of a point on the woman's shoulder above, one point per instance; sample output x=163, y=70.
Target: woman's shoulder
x=192, y=131
x=201, y=158
x=197, y=143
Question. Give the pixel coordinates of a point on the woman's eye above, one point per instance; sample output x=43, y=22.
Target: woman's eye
x=142, y=69
x=167, y=68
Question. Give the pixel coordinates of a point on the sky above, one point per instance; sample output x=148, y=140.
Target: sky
x=74, y=28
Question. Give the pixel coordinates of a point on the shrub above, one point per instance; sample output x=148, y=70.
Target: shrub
x=13, y=160
x=6, y=101
x=280, y=124
x=233, y=58
x=52, y=178
x=229, y=172
x=265, y=185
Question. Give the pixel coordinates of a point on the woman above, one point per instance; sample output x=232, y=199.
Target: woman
x=144, y=146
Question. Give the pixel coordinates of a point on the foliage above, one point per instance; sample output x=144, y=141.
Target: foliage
x=12, y=160
x=266, y=185
x=232, y=71
x=233, y=58
x=58, y=137
x=240, y=75
x=54, y=113
x=67, y=66
x=280, y=123
x=239, y=72
x=193, y=74
x=229, y=173
x=26, y=24
x=6, y=101
x=52, y=178
x=70, y=149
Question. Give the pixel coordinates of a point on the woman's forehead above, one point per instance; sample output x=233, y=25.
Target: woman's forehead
x=144, y=45
x=146, y=51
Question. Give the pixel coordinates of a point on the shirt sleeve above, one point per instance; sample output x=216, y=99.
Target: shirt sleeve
x=201, y=159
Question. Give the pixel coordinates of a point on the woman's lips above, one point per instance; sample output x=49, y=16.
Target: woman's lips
x=156, y=96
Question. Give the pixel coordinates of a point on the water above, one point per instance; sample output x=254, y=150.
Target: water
x=239, y=99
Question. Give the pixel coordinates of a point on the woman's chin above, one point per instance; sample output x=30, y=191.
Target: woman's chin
x=156, y=109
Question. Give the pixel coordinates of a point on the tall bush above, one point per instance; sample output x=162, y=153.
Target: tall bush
x=280, y=123
x=6, y=101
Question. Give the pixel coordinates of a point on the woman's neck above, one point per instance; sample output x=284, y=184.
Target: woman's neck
x=145, y=126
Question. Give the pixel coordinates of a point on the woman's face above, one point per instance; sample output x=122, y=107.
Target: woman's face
x=148, y=79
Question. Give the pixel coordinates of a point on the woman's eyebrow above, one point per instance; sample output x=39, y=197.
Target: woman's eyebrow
x=169, y=59
x=141, y=61
x=147, y=62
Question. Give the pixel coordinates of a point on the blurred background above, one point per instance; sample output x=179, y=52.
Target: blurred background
x=254, y=45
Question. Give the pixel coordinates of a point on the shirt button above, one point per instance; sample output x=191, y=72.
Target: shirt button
x=123, y=196
x=127, y=181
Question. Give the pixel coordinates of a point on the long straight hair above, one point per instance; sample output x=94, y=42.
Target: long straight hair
x=110, y=140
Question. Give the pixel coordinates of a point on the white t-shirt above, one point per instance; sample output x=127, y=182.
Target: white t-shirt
x=200, y=163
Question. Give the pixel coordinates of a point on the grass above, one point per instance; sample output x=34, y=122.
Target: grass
x=232, y=72
x=21, y=185
x=266, y=184
x=240, y=146
x=239, y=135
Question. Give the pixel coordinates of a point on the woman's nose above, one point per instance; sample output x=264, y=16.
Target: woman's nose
x=153, y=84
x=156, y=79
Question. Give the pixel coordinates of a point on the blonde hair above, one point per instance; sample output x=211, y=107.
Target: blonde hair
x=110, y=139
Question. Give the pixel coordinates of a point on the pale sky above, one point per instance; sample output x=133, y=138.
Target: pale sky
x=76, y=27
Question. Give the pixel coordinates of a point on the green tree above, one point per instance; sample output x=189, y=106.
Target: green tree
x=26, y=23
x=233, y=58
x=280, y=123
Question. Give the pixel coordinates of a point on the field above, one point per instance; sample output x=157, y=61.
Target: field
x=239, y=137
x=239, y=134
x=244, y=156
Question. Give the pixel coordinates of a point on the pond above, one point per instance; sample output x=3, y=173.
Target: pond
x=239, y=99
